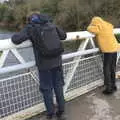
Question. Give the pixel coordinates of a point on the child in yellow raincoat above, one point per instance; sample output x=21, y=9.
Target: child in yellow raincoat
x=109, y=46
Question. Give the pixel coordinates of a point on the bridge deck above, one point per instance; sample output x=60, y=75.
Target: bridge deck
x=92, y=106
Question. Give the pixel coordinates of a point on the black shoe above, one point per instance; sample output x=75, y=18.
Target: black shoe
x=108, y=91
x=115, y=88
x=49, y=117
x=60, y=115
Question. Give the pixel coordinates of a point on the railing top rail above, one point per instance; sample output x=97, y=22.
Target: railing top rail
x=7, y=44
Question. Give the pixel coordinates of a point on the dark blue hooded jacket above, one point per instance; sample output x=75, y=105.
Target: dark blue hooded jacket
x=27, y=34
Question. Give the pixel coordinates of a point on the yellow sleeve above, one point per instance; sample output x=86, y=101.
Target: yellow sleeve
x=93, y=28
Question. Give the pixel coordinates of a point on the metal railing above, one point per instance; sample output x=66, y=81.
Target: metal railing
x=19, y=84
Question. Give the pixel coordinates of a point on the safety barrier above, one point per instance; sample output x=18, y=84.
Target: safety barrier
x=19, y=84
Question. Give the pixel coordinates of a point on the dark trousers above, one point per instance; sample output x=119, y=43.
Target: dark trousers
x=52, y=80
x=109, y=69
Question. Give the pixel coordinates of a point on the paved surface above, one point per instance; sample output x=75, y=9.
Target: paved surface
x=92, y=106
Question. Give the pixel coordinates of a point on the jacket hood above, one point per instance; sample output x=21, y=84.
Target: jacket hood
x=40, y=18
x=97, y=20
x=100, y=21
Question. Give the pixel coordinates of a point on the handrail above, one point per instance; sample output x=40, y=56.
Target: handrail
x=7, y=44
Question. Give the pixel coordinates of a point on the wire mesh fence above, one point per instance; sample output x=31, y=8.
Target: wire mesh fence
x=17, y=93
x=88, y=71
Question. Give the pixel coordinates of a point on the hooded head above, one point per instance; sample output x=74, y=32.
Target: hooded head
x=39, y=18
x=97, y=19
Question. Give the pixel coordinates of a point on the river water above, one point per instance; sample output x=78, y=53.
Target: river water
x=5, y=34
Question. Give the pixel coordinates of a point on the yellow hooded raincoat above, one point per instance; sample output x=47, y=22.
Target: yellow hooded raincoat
x=104, y=34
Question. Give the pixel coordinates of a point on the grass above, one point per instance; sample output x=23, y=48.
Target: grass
x=118, y=37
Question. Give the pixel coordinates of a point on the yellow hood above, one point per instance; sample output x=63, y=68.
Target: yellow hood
x=97, y=20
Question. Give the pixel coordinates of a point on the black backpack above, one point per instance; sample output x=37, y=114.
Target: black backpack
x=48, y=40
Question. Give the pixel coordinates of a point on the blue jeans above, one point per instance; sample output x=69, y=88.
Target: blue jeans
x=52, y=80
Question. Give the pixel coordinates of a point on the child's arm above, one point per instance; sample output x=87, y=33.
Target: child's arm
x=93, y=28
